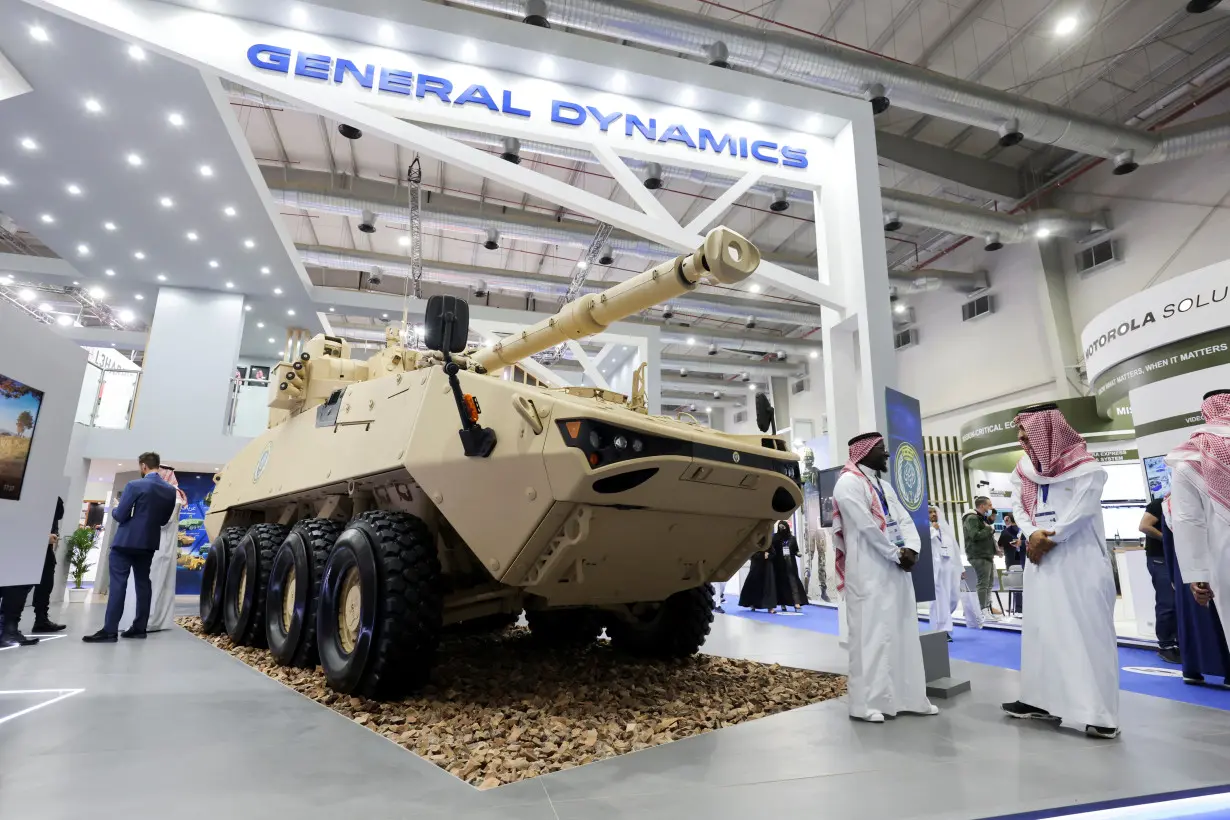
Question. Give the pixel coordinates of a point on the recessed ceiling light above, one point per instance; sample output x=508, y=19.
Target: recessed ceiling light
x=468, y=50
x=546, y=65
x=213, y=263
x=109, y=226
x=127, y=316
x=45, y=307
x=691, y=340
x=93, y=106
x=162, y=277
x=247, y=308
x=290, y=312
x=83, y=249
x=4, y=182
x=136, y=52
x=265, y=270
x=751, y=387
x=166, y=202
x=277, y=291
x=64, y=320
x=134, y=160
x=404, y=241
x=38, y=34
x=97, y=292
x=29, y=144
x=139, y=255
x=192, y=237
x=753, y=108
x=176, y=119
x=228, y=210
x=708, y=409
x=47, y=218
x=230, y=284
x=139, y=297
x=299, y=16
x=26, y=295
x=813, y=122
x=384, y=315
x=74, y=190
x=1066, y=25
x=687, y=96
x=249, y=244
x=330, y=310
x=620, y=81
x=386, y=32
x=1042, y=233
x=206, y=171
x=813, y=355
x=271, y=341
x=260, y=324
x=109, y=272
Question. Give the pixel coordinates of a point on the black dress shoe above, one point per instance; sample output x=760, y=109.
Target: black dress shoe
x=101, y=636
x=48, y=626
x=11, y=637
x=134, y=633
x=1169, y=654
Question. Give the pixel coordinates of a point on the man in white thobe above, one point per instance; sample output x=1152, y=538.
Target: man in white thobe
x=1069, y=657
x=947, y=569
x=877, y=547
x=1199, y=513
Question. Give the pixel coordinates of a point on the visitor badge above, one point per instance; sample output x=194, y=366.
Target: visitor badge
x=894, y=534
x=1046, y=520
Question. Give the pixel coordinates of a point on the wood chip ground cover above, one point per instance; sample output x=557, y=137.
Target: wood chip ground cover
x=502, y=708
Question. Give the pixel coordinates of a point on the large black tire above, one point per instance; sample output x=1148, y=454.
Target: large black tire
x=213, y=579
x=292, y=641
x=381, y=607
x=675, y=629
x=564, y=627
x=247, y=581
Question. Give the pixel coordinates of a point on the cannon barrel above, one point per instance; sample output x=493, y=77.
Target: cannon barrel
x=724, y=258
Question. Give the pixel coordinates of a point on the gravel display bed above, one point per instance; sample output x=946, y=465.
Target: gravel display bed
x=502, y=708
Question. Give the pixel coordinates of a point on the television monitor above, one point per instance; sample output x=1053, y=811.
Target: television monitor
x=826, y=480
x=19, y=407
x=1158, y=476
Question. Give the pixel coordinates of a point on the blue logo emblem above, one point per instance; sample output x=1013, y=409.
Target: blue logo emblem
x=908, y=475
x=262, y=463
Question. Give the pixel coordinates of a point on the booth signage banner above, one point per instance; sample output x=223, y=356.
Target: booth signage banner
x=999, y=429
x=908, y=473
x=1179, y=422
x=1116, y=456
x=1176, y=359
x=1179, y=308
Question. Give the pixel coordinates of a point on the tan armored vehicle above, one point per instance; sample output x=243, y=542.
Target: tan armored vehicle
x=393, y=497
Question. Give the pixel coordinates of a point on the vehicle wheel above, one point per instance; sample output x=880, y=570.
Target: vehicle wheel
x=564, y=627
x=381, y=606
x=213, y=579
x=294, y=591
x=247, y=580
x=675, y=628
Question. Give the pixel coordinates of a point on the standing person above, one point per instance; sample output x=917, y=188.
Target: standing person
x=1069, y=660
x=947, y=568
x=42, y=592
x=877, y=547
x=145, y=507
x=13, y=598
x=813, y=556
x=760, y=589
x=1200, y=505
x=1165, y=622
x=1012, y=545
x=980, y=549
x=785, y=551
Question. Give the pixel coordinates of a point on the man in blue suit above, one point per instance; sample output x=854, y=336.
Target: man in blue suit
x=145, y=507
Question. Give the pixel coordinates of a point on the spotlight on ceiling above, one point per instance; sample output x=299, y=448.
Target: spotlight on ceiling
x=668, y=312
x=512, y=150
x=718, y=54
x=878, y=98
x=892, y=222
x=780, y=201
x=368, y=223
x=480, y=288
x=749, y=322
x=683, y=372
x=713, y=349
x=653, y=176
x=1125, y=163
x=606, y=255
x=536, y=14
x=993, y=242
x=493, y=240
x=349, y=131
x=745, y=377
x=375, y=277
x=1010, y=133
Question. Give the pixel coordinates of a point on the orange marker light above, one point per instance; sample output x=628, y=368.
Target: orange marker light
x=593, y=459
x=574, y=429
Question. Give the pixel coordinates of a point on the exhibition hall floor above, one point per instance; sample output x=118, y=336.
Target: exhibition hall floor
x=171, y=727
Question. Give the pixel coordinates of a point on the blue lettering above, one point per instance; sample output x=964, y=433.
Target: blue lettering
x=477, y=94
x=508, y=108
x=270, y=58
x=568, y=113
x=604, y=121
x=433, y=85
x=345, y=67
x=649, y=132
x=396, y=82
x=315, y=66
x=762, y=145
x=718, y=146
x=677, y=133
x=794, y=157
x=743, y=147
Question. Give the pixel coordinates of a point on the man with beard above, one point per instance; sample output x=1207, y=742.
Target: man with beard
x=877, y=547
x=1069, y=658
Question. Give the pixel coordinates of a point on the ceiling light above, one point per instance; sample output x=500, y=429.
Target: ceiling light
x=754, y=288
x=228, y=210
x=899, y=308
x=708, y=409
x=247, y=308
x=206, y=171
x=620, y=81
x=753, y=108
x=64, y=320
x=386, y=32
x=93, y=106
x=109, y=226
x=162, y=277
x=97, y=292
x=813, y=122
x=192, y=237
x=277, y=291
x=813, y=355
x=1042, y=233
x=751, y=387
x=45, y=308
x=47, y=218
x=83, y=249
x=38, y=34
x=230, y=285
x=691, y=340
x=213, y=263
x=29, y=144
x=6, y=280
x=166, y=202
x=687, y=96
x=139, y=297
x=404, y=241
x=271, y=340
x=4, y=182
x=127, y=316
x=136, y=52
x=265, y=270
x=134, y=160
x=109, y=272
x=74, y=190
x=26, y=295
x=176, y=119
x=290, y=312
x=546, y=65
x=139, y=255
x=330, y=310
x=1066, y=25
x=260, y=324
x=384, y=315
x=249, y=244
x=299, y=16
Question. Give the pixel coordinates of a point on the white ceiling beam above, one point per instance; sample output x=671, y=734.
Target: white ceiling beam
x=587, y=364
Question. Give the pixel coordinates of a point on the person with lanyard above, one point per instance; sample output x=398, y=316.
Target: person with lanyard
x=1069, y=657
x=1165, y=621
x=877, y=547
x=946, y=566
x=1200, y=506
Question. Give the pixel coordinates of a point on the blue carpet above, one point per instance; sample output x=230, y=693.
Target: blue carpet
x=999, y=647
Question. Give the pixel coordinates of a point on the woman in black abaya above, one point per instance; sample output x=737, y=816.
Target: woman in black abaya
x=784, y=551
x=760, y=589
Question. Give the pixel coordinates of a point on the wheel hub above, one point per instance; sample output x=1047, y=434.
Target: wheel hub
x=243, y=587
x=350, y=604
x=288, y=599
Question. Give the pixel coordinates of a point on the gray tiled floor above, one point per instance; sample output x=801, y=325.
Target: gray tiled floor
x=171, y=727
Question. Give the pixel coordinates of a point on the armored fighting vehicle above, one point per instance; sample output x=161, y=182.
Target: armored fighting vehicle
x=393, y=497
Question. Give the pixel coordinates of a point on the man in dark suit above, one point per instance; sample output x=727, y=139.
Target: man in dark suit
x=145, y=507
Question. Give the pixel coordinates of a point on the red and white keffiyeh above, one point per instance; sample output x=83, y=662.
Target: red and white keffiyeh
x=1054, y=450
x=168, y=475
x=858, y=451
x=1208, y=449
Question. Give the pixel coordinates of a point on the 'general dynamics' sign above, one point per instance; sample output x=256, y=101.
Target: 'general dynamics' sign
x=568, y=113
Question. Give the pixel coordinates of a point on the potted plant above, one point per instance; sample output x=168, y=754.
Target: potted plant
x=79, y=545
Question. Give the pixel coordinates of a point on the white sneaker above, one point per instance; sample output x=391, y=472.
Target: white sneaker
x=932, y=709
x=871, y=716
x=987, y=615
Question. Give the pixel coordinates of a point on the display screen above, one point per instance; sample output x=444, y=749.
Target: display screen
x=19, y=407
x=1158, y=476
x=826, y=480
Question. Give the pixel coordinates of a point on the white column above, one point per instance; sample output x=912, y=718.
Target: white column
x=840, y=383
x=189, y=359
